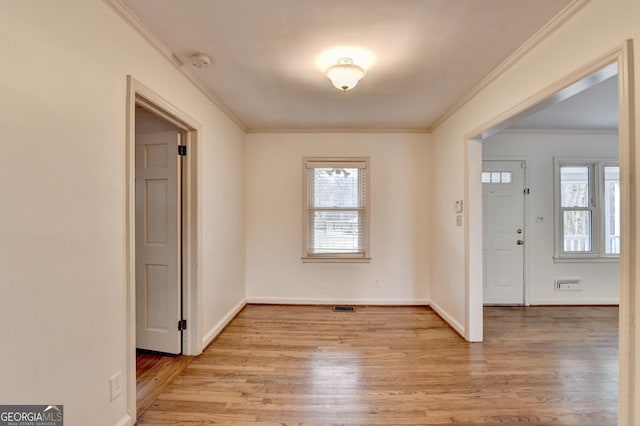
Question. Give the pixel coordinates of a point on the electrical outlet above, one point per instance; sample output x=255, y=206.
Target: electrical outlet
x=325, y=288
x=459, y=220
x=116, y=385
x=377, y=282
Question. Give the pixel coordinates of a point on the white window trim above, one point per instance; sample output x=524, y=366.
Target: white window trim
x=364, y=257
x=597, y=254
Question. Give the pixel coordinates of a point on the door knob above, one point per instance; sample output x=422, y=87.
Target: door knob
x=520, y=242
x=519, y=231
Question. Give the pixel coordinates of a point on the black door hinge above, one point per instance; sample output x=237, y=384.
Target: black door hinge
x=182, y=150
x=182, y=325
x=527, y=191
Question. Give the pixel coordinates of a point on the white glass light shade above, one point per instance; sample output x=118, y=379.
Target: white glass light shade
x=345, y=74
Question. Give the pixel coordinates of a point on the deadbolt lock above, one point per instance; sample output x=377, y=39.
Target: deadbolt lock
x=520, y=242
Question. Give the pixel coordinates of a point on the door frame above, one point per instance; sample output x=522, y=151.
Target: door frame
x=525, y=267
x=139, y=94
x=629, y=334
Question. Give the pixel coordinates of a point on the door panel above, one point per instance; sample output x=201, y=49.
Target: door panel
x=503, y=216
x=156, y=295
x=156, y=217
x=158, y=274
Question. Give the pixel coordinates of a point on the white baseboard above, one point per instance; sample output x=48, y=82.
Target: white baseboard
x=453, y=323
x=125, y=421
x=587, y=301
x=328, y=301
x=217, y=329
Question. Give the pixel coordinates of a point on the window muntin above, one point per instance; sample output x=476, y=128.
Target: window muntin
x=336, y=209
x=587, y=209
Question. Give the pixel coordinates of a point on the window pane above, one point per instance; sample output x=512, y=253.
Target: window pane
x=495, y=177
x=577, y=231
x=506, y=177
x=336, y=231
x=486, y=177
x=612, y=209
x=574, y=186
x=337, y=187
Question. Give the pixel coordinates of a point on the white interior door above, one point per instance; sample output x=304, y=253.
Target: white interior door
x=503, y=232
x=158, y=274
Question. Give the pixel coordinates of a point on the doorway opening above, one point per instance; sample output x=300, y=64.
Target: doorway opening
x=616, y=63
x=162, y=218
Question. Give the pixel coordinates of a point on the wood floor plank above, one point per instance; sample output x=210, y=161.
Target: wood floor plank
x=307, y=365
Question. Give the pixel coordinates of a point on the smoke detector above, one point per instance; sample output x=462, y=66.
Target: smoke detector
x=200, y=60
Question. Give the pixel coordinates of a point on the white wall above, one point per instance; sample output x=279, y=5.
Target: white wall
x=400, y=216
x=62, y=214
x=599, y=281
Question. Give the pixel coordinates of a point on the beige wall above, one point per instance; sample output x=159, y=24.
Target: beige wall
x=62, y=180
x=400, y=188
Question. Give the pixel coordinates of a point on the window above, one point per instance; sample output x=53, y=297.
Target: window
x=587, y=209
x=336, y=211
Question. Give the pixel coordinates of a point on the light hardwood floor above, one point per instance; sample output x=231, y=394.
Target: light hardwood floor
x=307, y=365
x=154, y=372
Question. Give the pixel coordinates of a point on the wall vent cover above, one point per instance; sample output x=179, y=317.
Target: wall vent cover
x=344, y=309
x=567, y=284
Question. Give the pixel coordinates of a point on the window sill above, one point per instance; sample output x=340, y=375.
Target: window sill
x=330, y=259
x=584, y=259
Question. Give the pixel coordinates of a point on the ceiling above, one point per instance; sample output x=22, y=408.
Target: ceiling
x=595, y=108
x=267, y=56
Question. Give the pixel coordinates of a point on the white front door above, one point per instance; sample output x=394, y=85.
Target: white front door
x=158, y=272
x=503, y=232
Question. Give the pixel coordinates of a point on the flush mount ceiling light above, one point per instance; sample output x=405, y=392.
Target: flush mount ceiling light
x=345, y=74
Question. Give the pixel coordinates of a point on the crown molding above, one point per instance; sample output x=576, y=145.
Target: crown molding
x=121, y=9
x=338, y=130
x=566, y=13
